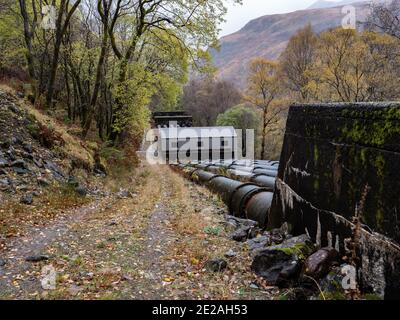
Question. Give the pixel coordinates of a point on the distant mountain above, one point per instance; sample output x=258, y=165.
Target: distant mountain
x=268, y=36
x=321, y=4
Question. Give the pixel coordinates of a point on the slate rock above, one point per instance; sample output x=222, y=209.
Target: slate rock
x=2, y=262
x=277, y=267
x=216, y=265
x=73, y=182
x=241, y=222
x=36, y=194
x=27, y=199
x=27, y=147
x=37, y=258
x=20, y=171
x=11, y=154
x=259, y=243
x=241, y=234
x=254, y=286
x=230, y=254
x=3, y=162
x=18, y=164
x=332, y=282
x=27, y=155
x=38, y=162
x=281, y=265
x=81, y=191
x=230, y=226
x=22, y=187
x=57, y=173
x=42, y=182
x=5, y=144
x=123, y=194
x=14, y=108
x=5, y=184
x=278, y=236
x=242, y=229
x=74, y=290
x=16, y=140
x=99, y=173
x=319, y=263
x=301, y=245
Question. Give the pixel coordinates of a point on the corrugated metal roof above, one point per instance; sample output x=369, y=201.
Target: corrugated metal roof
x=199, y=132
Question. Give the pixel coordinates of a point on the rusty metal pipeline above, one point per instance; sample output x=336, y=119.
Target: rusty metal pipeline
x=271, y=173
x=264, y=180
x=224, y=187
x=258, y=206
x=238, y=196
x=202, y=177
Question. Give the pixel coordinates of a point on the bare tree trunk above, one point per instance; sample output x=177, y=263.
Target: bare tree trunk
x=104, y=10
x=61, y=29
x=28, y=35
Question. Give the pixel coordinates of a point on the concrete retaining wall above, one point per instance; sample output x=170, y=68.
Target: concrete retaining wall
x=331, y=153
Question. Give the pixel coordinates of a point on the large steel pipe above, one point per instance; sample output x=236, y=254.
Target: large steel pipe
x=243, y=176
x=238, y=196
x=265, y=167
x=224, y=165
x=271, y=173
x=224, y=187
x=243, y=196
x=260, y=177
x=240, y=168
x=264, y=181
x=203, y=177
x=257, y=207
x=201, y=166
x=215, y=169
x=189, y=171
x=254, y=167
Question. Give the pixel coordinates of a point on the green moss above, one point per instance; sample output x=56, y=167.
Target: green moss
x=335, y=295
x=337, y=285
x=380, y=165
x=283, y=297
x=380, y=217
x=33, y=129
x=316, y=155
x=363, y=156
x=302, y=250
x=371, y=296
x=316, y=184
x=378, y=133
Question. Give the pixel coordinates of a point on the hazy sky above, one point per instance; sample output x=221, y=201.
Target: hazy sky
x=238, y=15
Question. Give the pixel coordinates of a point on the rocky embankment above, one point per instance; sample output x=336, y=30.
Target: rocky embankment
x=296, y=264
x=32, y=155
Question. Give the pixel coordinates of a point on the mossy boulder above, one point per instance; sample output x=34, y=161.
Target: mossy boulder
x=300, y=246
x=281, y=265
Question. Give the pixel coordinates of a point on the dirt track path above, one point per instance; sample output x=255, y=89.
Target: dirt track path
x=151, y=246
x=34, y=243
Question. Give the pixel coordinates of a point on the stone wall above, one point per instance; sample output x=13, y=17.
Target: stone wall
x=331, y=154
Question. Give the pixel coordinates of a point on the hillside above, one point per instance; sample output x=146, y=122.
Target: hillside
x=329, y=4
x=267, y=37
